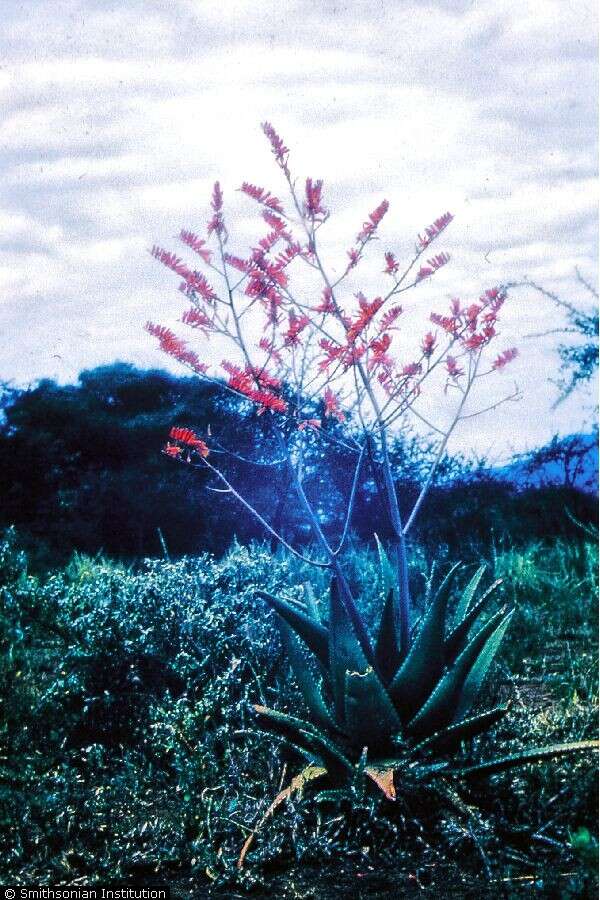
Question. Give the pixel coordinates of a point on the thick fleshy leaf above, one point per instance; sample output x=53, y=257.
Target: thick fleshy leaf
x=312, y=633
x=370, y=717
x=387, y=648
x=386, y=570
x=474, y=679
x=297, y=785
x=384, y=779
x=306, y=735
x=449, y=738
x=307, y=675
x=467, y=595
x=441, y=706
x=311, y=603
x=458, y=637
x=536, y=754
x=345, y=651
x=424, y=664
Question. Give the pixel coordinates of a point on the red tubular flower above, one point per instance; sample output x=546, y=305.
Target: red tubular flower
x=432, y=266
x=216, y=223
x=193, y=282
x=332, y=353
x=297, y=324
x=326, y=305
x=257, y=385
x=173, y=346
x=196, y=318
x=269, y=347
x=505, y=357
x=332, y=405
x=262, y=196
x=379, y=347
x=391, y=263
x=354, y=256
x=433, y=230
x=309, y=423
x=471, y=315
x=450, y=324
x=275, y=222
x=280, y=151
x=428, y=344
x=313, y=206
x=369, y=227
x=172, y=450
x=474, y=342
x=388, y=319
x=366, y=312
x=190, y=439
x=197, y=244
x=242, y=265
x=411, y=369
x=453, y=368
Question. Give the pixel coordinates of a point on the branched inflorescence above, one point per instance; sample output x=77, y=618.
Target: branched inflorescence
x=323, y=359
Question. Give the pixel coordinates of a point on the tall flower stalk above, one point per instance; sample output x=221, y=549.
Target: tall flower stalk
x=324, y=350
x=309, y=349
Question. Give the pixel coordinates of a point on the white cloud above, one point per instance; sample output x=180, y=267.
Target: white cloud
x=119, y=118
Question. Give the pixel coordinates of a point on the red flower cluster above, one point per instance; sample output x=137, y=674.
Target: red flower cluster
x=297, y=324
x=257, y=385
x=454, y=370
x=193, y=282
x=504, y=358
x=388, y=319
x=196, y=318
x=428, y=344
x=280, y=151
x=173, y=346
x=189, y=438
x=313, y=205
x=332, y=405
x=391, y=263
x=326, y=305
x=216, y=223
x=433, y=230
x=379, y=347
x=370, y=226
x=432, y=266
x=366, y=313
x=262, y=196
x=196, y=244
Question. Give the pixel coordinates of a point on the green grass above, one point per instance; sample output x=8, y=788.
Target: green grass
x=130, y=752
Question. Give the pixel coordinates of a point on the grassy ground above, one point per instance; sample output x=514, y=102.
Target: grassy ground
x=131, y=755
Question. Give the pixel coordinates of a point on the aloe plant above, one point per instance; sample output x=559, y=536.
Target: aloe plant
x=385, y=717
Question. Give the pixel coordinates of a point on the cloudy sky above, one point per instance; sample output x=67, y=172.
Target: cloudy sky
x=118, y=117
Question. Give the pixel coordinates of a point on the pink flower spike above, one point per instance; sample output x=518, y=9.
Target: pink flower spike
x=313, y=206
x=391, y=264
x=453, y=368
x=428, y=344
x=504, y=358
x=432, y=266
x=262, y=196
x=369, y=227
x=280, y=151
x=196, y=244
x=434, y=229
x=332, y=405
x=217, y=198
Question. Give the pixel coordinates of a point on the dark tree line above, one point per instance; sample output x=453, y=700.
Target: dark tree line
x=81, y=468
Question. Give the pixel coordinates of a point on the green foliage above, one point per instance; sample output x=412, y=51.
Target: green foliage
x=390, y=717
x=129, y=750
x=81, y=469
